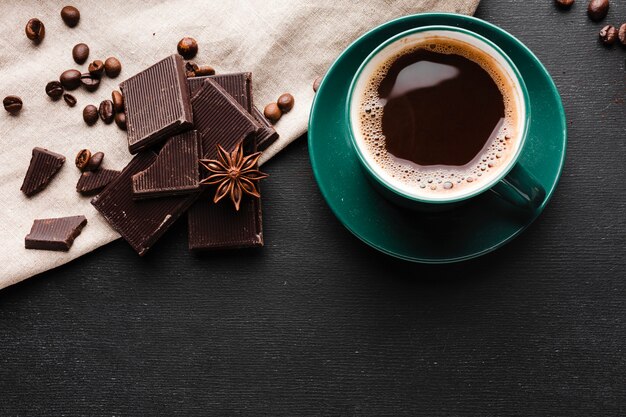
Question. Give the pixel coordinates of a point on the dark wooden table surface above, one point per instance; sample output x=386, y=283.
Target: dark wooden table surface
x=317, y=323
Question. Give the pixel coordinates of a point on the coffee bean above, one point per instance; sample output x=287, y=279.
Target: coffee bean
x=120, y=120
x=95, y=161
x=82, y=159
x=12, y=104
x=70, y=79
x=204, y=70
x=90, y=82
x=69, y=99
x=54, y=90
x=70, y=15
x=272, y=112
x=112, y=67
x=190, y=69
x=118, y=101
x=608, y=35
x=106, y=111
x=96, y=68
x=597, y=9
x=316, y=83
x=187, y=47
x=80, y=53
x=35, y=30
x=285, y=102
x=621, y=34
x=564, y=4
x=90, y=114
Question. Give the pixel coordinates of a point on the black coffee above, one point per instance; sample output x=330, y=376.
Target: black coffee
x=439, y=116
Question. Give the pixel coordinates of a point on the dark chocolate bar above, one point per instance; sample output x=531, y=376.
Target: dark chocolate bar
x=238, y=85
x=157, y=103
x=55, y=234
x=140, y=222
x=43, y=166
x=268, y=135
x=175, y=171
x=92, y=182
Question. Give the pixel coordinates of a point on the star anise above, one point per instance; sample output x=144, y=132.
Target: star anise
x=234, y=174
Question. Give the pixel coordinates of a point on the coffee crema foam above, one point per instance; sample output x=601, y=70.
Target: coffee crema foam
x=495, y=155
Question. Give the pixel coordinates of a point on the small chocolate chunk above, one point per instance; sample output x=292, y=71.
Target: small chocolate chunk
x=70, y=16
x=272, y=112
x=70, y=79
x=90, y=114
x=106, y=111
x=118, y=101
x=92, y=182
x=187, y=47
x=35, y=30
x=43, y=166
x=318, y=81
x=190, y=69
x=268, y=135
x=285, y=102
x=54, y=90
x=90, y=82
x=55, y=234
x=12, y=104
x=96, y=68
x=598, y=9
x=80, y=53
x=621, y=34
x=120, y=120
x=95, y=161
x=82, y=159
x=69, y=99
x=112, y=67
x=608, y=35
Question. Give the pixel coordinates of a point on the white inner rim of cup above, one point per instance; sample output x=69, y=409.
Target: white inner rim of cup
x=406, y=42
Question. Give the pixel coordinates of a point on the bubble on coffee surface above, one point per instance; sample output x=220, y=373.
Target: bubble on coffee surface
x=495, y=154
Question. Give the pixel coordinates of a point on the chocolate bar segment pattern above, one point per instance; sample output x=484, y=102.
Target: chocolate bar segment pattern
x=175, y=171
x=92, y=182
x=157, y=103
x=55, y=234
x=44, y=165
x=268, y=135
x=140, y=222
x=238, y=85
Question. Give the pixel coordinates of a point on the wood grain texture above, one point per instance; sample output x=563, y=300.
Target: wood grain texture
x=316, y=323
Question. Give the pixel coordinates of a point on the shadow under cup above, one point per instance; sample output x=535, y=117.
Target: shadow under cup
x=510, y=181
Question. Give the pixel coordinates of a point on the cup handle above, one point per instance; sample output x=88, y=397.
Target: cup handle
x=520, y=188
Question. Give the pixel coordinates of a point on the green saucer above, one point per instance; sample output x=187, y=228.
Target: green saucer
x=474, y=229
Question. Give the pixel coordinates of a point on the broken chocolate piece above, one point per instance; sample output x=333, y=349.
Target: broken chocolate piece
x=268, y=135
x=157, y=103
x=44, y=165
x=55, y=234
x=238, y=85
x=175, y=170
x=91, y=182
x=140, y=222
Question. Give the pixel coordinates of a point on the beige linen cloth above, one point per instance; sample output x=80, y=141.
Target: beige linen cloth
x=285, y=43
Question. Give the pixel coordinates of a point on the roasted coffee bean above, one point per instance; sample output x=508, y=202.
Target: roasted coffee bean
x=96, y=68
x=12, y=104
x=564, y=4
x=35, y=30
x=120, y=120
x=608, y=35
x=106, y=111
x=272, y=112
x=190, y=69
x=82, y=159
x=621, y=34
x=70, y=15
x=70, y=79
x=204, y=70
x=80, y=53
x=95, y=161
x=54, y=90
x=285, y=102
x=598, y=9
x=187, y=47
x=118, y=101
x=69, y=99
x=90, y=82
x=316, y=83
x=112, y=67
x=90, y=114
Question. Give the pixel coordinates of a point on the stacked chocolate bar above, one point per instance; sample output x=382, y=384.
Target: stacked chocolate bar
x=173, y=121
